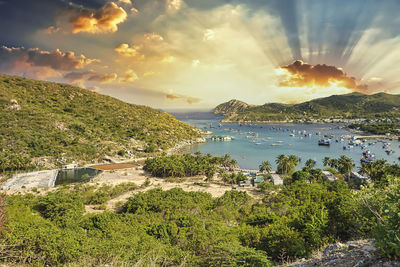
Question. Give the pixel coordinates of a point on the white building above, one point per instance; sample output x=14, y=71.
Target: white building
x=69, y=166
x=328, y=176
x=276, y=179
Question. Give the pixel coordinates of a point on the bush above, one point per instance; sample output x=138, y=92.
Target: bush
x=387, y=233
x=62, y=208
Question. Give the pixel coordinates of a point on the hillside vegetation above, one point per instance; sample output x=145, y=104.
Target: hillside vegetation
x=63, y=123
x=354, y=105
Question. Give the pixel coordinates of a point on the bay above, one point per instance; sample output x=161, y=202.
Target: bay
x=254, y=143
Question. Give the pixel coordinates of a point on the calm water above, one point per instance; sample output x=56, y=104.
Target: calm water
x=75, y=175
x=275, y=139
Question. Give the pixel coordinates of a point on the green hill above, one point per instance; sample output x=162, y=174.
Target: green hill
x=53, y=122
x=354, y=105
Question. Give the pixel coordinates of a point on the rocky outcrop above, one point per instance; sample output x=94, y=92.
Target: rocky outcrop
x=350, y=254
x=13, y=105
x=231, y=107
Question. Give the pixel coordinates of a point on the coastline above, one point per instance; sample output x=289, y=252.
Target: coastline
x=179, y=148
x=343, y=125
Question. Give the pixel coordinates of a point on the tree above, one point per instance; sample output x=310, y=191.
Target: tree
x=327, y=161
x=283, y=164
x=286, y=165
x=310, y=163
x=234, y=163
x=265, y=167
x=300, y=176
x=345, y=165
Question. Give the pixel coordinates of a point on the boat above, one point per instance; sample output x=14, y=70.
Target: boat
x=221, y=138
x=324, y=142
x=291, y=135
x=348, y=147
x=367, y=157
x=389, y=151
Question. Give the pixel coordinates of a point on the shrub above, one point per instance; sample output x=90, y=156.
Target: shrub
x=387, y=233
x=62, y=208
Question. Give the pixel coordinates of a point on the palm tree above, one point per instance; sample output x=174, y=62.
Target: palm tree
x=334, y=163
x=326, y=161
x=284, y=164
x=226, y=160
x=233, y=163
x=310, y=163
x=293, y=159
x=345, y=165
x=265, y=166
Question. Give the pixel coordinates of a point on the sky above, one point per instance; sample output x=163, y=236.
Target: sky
x=196, y=54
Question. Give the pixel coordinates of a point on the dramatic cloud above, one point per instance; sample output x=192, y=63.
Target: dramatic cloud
x=127, y=2
x=300, y=74
x=104, y=20
x=127, y=51
x=75, y=77
x=40, y=64
x=103, y=78
x=52, y=30
x=147, y=45
x=91, y=76
x=174, y=5
x=130, y=76
x=153, y=37
x=208, y=35
x=187, y=99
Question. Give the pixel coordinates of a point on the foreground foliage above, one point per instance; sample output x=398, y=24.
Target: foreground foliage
x=175, y=227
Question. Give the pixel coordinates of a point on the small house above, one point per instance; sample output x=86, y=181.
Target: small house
x=258, y=179
x=276, y=179
x=357, y=176
x=246, y=183
x=69, y=166
x=328, y=176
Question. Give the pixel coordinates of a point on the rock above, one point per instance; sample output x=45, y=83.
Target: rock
x=369, y=248
x=332, y=247
x=333, y=261
x=13, y=105
x=360, y=263
x=353, y=244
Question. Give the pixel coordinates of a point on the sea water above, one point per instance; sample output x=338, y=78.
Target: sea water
x=254, y=143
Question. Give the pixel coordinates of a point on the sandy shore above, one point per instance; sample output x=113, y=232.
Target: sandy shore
x=136, y=175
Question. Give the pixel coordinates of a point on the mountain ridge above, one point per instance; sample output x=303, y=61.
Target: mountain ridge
x=353, y=105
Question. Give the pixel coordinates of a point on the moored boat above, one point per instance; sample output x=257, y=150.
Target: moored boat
x=324, y=142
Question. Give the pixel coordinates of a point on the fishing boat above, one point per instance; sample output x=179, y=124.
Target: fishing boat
x=367, y=157
x=324, y=142
x=389, y=151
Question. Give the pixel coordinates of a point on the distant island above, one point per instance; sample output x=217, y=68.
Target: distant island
x=348, y=108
